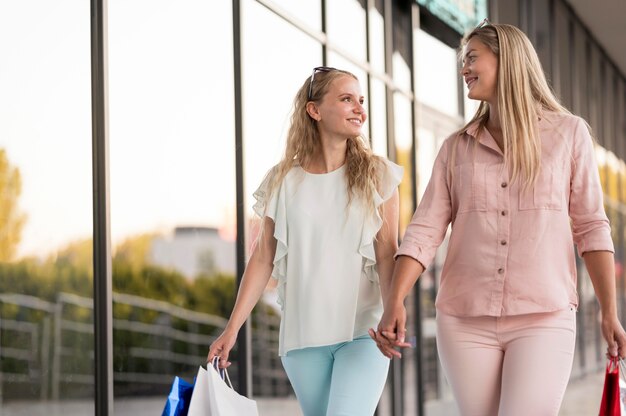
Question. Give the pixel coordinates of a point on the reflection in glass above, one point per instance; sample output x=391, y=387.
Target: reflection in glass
x=377, y=37
x=307, y=12
x=268, y=93
x=46, y=273
x=345, y=27
x=268, y=90
x=436, y=74
x=172, y=192
x=378, y=117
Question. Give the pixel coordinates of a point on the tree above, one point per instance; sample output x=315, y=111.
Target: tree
x=12, y=220
x=134, y=251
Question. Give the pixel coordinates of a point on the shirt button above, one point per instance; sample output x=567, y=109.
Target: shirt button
x=500, y=270
x=503, y=213
x=504, y=184
x=503, y=242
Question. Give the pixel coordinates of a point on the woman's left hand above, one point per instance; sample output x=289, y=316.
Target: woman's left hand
x=614, y=335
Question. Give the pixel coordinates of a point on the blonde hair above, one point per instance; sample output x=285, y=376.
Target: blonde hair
x=522, y=94
x=303, y=140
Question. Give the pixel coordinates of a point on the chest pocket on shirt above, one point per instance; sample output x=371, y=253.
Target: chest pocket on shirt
x=470, y=180
x=548, y=191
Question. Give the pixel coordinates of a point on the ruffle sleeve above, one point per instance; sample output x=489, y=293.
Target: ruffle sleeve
x=274, y=205
x=390, y=176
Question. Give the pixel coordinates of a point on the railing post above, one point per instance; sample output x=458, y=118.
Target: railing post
x=56, y=351
x=45, y=357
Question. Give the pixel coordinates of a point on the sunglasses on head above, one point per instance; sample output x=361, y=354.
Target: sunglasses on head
x=484, y=22
x=316, y=70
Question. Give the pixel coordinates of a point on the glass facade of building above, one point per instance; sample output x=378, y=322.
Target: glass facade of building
x=198, y=97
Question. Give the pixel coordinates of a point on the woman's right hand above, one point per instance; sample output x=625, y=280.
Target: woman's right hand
x=391, y=330
x=221, y=348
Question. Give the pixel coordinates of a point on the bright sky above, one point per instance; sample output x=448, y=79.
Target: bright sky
x=171, y=111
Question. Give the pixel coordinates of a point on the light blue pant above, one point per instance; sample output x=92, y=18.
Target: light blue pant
x=344, y=379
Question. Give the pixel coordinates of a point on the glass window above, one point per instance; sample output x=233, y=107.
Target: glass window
x=563, y=58
x=607, y=96
x=172, y=191
x=269, y=90
x=345, y=27
x=309, y=12
x=403, y=119
x=378, y=116
x=436, y=76
x=268, y=93
x=401, y=56
x=46, y=268
x=377, y=37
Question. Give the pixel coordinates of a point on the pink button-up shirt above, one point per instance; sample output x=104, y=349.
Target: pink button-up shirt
x=511, y=251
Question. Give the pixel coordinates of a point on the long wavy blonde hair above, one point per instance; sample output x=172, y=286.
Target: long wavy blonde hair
x=303, y=141
x=523, y=93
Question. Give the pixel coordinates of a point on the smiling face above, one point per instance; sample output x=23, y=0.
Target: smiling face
x=480, y=71
x=340, y=113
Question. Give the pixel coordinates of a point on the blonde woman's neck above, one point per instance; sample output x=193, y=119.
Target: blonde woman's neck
x=329, y=157
x=494, y=125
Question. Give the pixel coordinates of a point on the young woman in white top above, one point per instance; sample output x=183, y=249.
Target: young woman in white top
x=330, y=221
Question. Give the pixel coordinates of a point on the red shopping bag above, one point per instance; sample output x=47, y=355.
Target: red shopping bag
x=610, y=405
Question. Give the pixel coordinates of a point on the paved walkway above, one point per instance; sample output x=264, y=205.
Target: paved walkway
x=583, y=395
x=582, y=398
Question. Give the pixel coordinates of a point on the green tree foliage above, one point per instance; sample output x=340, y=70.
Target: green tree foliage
x=70, y=270
x=215, y=295
x=12, y=220
x=134, y=250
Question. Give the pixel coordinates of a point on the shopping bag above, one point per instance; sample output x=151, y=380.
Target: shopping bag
x=622, y=386
x=200, y=404
x=225, y=401
x=213, y=395
x=610, y=404
x=177, y=403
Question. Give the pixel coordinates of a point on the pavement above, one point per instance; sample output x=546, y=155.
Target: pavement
x=583, y=395
x=582, y=398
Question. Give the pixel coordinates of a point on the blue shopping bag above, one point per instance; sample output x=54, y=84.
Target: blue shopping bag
x=177, y=403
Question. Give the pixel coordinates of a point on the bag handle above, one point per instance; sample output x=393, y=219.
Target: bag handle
x=622, y=367
x=223, y=373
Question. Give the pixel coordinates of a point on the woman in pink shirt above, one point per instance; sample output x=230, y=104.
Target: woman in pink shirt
x=520, y=186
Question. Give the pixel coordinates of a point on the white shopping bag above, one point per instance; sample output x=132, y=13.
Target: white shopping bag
x=212, y=396
x=200, y=404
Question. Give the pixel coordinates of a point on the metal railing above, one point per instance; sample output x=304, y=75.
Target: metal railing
x=46, y=348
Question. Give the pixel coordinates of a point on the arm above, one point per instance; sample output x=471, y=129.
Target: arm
x=592, y=235
x=601, y=268
x=421, y=239
x=253, y=283
x=386, y=244
x=392, y=327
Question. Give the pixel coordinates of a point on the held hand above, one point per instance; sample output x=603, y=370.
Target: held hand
x=615, y=336
x=391, y=331
x=221, y=348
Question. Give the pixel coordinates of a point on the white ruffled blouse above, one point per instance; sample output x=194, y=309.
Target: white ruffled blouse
x=325, y=262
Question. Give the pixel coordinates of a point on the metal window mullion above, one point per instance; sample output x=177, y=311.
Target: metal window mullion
x=102, y=280
x=417, y=318
x=244, y=349
x=324, y=47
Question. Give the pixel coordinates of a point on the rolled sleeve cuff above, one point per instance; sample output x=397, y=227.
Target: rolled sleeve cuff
x=597, y=241
x=415, y=251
